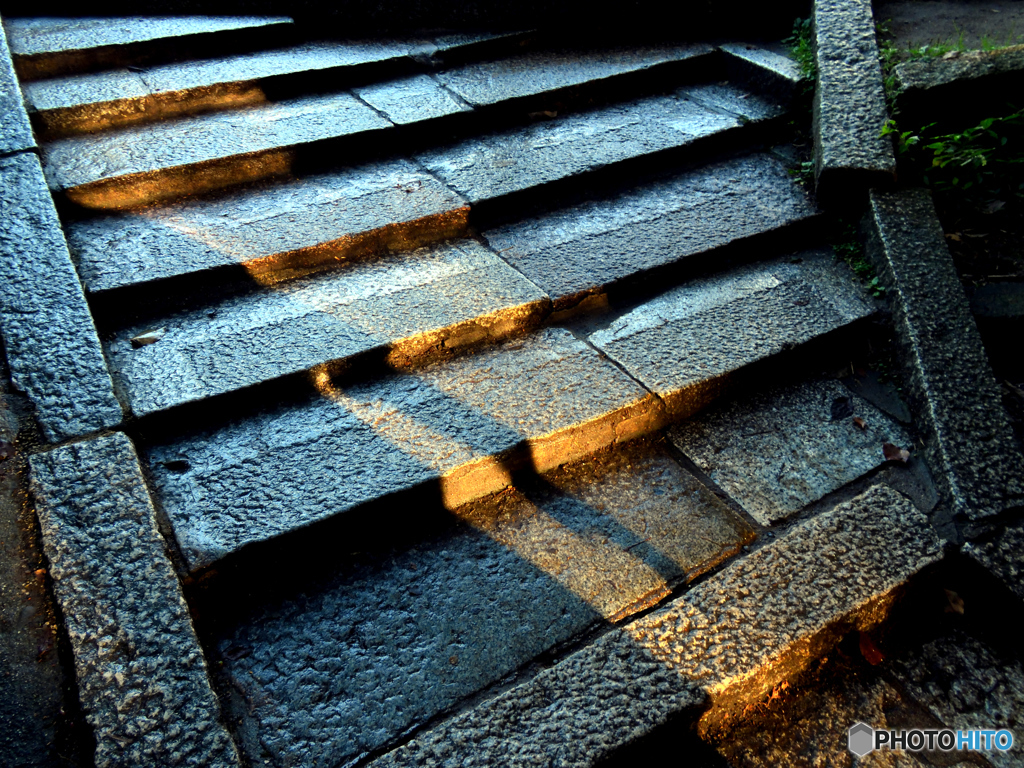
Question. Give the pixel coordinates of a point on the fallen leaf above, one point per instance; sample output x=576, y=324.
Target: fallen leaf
x=152, y=336
x=871, y=652
x=894, y=453
x=956, y=603
x=954, y=236
x=860, y=422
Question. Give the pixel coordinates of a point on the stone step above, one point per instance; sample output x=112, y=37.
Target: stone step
x=686, y=345
x=64, y=106
x=279, y=229
x=723, y=644
x=148, y=163
x=264, y=234
x=402, y=306
x=514, y=576
x=581, y=252
x=461, y=426
x=48, y=47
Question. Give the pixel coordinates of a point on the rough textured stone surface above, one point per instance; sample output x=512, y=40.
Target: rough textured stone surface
x=777, y=452
x=849, y=103
x=411, y=99
x=35, y=36
x=407, y=302
x=584, y=249
x=402, y=638
x=1003, y=556
x=759, y=618
x=270, y=229
x=539, y=72
x=967, y=685
x=50, y=341
x=456, y=424
x=511, y=161
x=967, y=432
x=15, y=131
x=927, y=76
x=141, y=673
x=764, y=68
x=684, y=344
x=80, y=160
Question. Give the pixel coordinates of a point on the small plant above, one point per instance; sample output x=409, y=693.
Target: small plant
x=803, y=173
x=848, y=248
x=801, y=45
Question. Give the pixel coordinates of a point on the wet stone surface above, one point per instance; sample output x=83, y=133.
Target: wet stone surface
x=260, y=225
x=539, y=72
x=511, y=161
x=958, y=405
x=735, y=629
x=15, y=131
x=684, y=343
x=142, y=677
x=407, y=303
x=80, y=160
x=966, y=684
x=440, y=425
x=849, y=103
x=584, y=249
x=49, y=338
x=777, y=452
x=402, y=638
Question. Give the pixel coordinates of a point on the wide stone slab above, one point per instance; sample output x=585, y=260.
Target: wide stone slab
x=584, y=249
x=849, y=102
x=273, y=230
x=510, y=161
x=121, y=96
x=763, y=68
x=142, y=677
x=406, y=304
x=460, y=425
x=968, y=685
x=49, y=337
x=685, y=344
x=781, y=450
x=142, y=164
x=411, y=99
x=732, y=637
x=952, y=389
x=15, y=131
x=544, y=71
x=522, y=572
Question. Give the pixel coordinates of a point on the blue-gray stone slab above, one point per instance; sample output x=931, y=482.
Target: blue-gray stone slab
x=416, y=299
x=15, y=131
x=266, y=228
x=48, y=333
x=142, y=677
x=849, y=102
x=684, y=344
x=81, y=160
x=763, y=68
x=584, y=249
x=538, y=72
x=738, y=633
x=411, y=99
x=930, y=77
x=451, y=424
x=968, y=435
x=400, y=639
x=778, y=451
x=511, y=161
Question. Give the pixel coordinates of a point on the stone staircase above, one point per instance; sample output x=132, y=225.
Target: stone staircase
x=406, y=339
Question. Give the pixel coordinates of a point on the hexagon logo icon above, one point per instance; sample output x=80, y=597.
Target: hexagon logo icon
x=861, y=739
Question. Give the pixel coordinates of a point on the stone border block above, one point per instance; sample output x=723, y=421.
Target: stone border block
x=849, y=101
x=15, y=131
x=953, y=391
x=730, y=638
x=48, y=332
x=141, y=673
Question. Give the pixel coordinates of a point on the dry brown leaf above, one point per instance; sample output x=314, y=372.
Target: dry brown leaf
x=895, y=453
x=871, y=652
x=860, y=422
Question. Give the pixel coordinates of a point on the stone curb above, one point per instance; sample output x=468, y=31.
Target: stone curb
x=952, y=387
x=15, y=131
x=141, y=673
x=51, y=342
x=849, y=101
x=729, y=640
